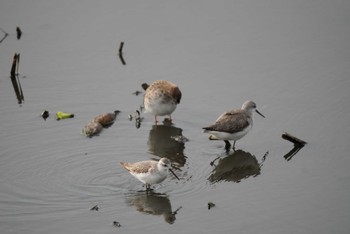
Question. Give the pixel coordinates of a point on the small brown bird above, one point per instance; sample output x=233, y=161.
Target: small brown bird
x=91, y=129
x=161, y=98
x=106, y=119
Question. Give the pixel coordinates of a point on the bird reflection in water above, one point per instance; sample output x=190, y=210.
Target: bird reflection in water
x=236, y=166
x=153, y=204
x=161, y=143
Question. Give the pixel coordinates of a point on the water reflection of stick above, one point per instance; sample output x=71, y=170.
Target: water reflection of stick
x=17, y=63
x=13, y=67
x=293, y=152
x=6, y=34
x=15, y=80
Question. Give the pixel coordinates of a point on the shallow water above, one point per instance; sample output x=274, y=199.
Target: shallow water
x=291, y=57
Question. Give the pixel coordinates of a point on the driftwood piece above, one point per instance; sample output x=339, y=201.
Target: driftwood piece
x=293, y=139
x=298, y=144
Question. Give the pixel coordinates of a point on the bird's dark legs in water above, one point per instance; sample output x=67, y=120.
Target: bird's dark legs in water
x=233, y=147
x=148, y=187
x=228, y=145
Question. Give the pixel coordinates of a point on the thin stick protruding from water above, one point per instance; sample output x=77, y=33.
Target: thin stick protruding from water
x=121, y=47
x=19, y=33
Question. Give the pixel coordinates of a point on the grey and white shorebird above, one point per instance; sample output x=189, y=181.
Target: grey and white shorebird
x=150, y=172
x=161, y=98
x=233, y=124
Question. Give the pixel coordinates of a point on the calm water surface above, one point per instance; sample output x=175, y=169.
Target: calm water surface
x=291, y=57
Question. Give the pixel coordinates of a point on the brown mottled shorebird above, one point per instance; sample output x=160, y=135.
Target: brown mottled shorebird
x=234, y=124
x=91, y=129
x=106, y=119
x=150, y=172
x=161, y=98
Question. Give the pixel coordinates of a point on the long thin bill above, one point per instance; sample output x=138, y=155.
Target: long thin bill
x=259, y=113
x=174, y=174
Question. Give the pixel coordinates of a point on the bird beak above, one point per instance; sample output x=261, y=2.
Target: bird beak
x=259, y=113
x=174, y=174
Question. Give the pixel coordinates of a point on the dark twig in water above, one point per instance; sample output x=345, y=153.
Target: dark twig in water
x=175, y=212
x=95, y=208
x=298, y=144
x=19, y=33
x=293, y=139
x=210, y=205
x=121, y=46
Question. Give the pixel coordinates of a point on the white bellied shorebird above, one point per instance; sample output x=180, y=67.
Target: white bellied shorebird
x=234, y=124
x=150, y=172
x=161, y=98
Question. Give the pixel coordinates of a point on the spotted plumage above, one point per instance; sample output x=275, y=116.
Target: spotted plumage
x=161, y=98
x=106, y=119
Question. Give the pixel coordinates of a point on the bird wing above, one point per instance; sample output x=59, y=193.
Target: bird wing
x=231, y=122
x=139, y=167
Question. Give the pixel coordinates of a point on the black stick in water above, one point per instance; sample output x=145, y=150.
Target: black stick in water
x=19, y=33
x=121, y=46
x=293, y=139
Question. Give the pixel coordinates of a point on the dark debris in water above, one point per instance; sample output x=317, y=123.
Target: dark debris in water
x=95, y=208
x=19, y=33
x=45, y=114
x=136, y=93
x=210, y=205
x=116, y=224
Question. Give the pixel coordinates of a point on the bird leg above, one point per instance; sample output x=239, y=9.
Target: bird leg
x=227, y=145
x=233, y=147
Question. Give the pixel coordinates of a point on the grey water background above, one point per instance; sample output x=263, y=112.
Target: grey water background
x=291, y=57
